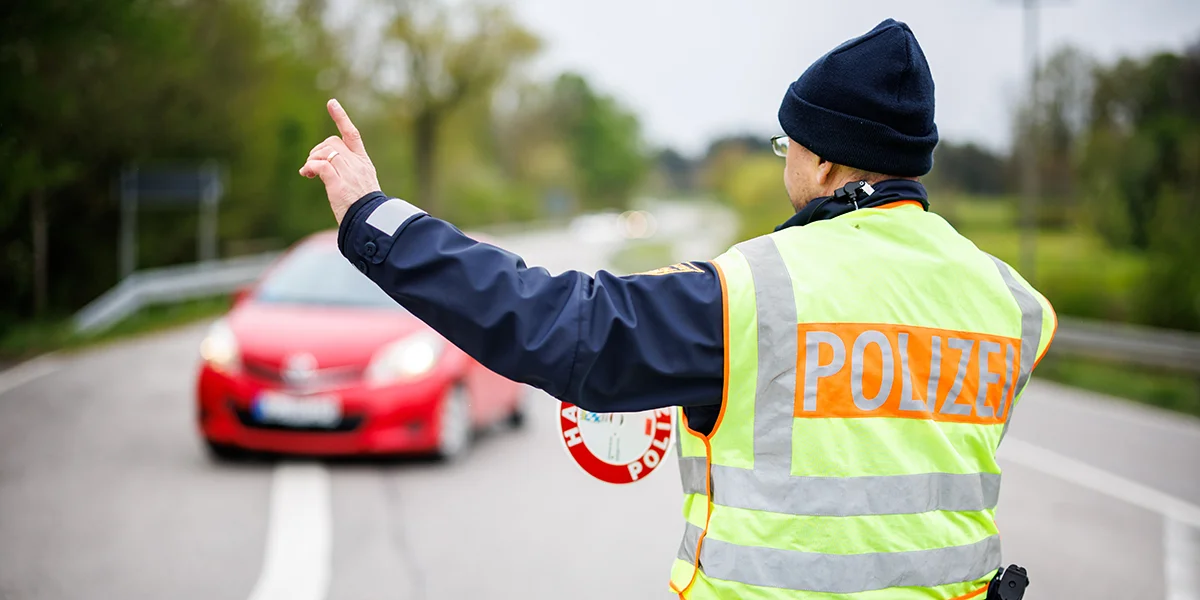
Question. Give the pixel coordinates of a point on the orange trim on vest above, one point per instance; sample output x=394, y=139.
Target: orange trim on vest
x=969, y=595
x=707, y=515
x=1053, y=331
x=900, y=203
x=706, y=438
x=725, y=345
x=707, y=496
x=725, y=348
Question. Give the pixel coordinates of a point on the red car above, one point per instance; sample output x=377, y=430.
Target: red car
x=315, y=359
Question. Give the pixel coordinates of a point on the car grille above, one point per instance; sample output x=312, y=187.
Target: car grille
x=347, y=424
x=320, y=379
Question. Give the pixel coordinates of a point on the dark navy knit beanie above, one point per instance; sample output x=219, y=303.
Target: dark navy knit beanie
x=867, y=104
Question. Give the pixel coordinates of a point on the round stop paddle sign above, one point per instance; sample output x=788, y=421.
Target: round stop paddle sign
x=616, y=447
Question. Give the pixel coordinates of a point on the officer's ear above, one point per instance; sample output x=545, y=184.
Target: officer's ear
x=824, y=171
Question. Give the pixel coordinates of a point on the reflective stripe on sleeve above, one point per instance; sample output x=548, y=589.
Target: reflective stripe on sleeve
x=389, y=216
x=843, y=573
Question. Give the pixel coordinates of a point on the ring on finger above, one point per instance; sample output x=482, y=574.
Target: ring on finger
x=331, y=155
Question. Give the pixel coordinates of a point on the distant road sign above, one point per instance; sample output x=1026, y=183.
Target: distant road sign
x=172, y=186
x=616, y=447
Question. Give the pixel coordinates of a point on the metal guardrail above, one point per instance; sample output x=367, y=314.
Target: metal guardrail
x=1129, y=344
x=199, y=280
x=1117, y=342
x=170, y=284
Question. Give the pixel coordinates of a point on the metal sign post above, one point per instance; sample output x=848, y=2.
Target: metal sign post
x=189, y=187
x=206, y=235
x=1029, y=158
x=127, y=255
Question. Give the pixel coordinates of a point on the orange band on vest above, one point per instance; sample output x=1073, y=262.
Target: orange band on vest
x=900, y=203
x=859, y=370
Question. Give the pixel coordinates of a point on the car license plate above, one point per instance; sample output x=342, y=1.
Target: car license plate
x=298, y=411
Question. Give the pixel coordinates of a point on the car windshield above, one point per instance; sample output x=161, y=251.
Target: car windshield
x=318, y=274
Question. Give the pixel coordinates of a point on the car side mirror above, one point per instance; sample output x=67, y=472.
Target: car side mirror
x=242, y=294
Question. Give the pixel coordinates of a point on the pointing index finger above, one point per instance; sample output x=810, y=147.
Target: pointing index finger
x=345, y=127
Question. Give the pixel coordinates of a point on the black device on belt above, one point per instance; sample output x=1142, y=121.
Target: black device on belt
x=1008, y=584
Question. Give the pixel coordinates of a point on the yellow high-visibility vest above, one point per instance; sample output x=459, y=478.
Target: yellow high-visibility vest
x=872, y=364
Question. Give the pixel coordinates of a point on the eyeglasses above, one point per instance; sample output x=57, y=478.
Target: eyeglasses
x=779, y=144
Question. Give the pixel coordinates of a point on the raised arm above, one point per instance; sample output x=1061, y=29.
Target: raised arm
x=606, y=343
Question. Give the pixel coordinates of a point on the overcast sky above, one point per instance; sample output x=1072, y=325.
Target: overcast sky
x=697, y=69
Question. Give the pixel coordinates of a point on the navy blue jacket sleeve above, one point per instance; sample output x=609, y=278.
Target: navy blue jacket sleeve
x=606, y=343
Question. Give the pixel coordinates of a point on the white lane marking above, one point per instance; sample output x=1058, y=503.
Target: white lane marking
x=1181, y=518
x=27, y=371
x=1181, y=556
x=298, y=559
x=1098, y=480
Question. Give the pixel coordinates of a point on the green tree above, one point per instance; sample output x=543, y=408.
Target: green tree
x=1140, y=169
x=1143, y=113
x=1050, y=126
x=605, y=141
x=970, y=169
x=751, y=182
x=450, y=58
x=90, y=86
x=567, y=136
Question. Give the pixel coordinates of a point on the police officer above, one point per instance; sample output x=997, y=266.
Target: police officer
x=844, y=382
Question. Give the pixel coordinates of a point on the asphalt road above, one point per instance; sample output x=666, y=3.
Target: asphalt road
x=105, y=492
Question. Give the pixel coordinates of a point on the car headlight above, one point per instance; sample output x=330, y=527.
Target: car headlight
x=407, y=358
x=220, y=348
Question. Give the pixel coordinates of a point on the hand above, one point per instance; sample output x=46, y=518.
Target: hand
x=342, y=164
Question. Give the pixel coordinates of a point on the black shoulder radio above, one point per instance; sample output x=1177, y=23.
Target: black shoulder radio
x=1008, y=584
x=853, y=192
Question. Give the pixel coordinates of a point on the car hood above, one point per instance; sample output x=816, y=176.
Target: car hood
x=268, y=334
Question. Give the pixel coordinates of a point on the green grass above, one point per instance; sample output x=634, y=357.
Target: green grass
x=1074, y=268
x=637, y=257
x=37, y=337
x=1081, y=276
x=970, y=212
x=1165, y=390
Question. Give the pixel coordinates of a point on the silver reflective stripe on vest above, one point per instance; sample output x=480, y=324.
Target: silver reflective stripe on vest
x=687, y=548
x=693, y=470
x=1031, y=331
x=853, y=496
x=775, y=392
x=842, y=573
x=679, y=433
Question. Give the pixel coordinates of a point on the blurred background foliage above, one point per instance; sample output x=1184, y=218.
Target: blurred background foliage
x=454, y=120
x=90, y=87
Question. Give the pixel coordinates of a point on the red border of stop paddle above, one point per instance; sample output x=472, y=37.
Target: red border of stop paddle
x=608, y=472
